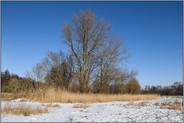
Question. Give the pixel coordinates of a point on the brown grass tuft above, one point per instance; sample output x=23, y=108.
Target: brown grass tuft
x=142, y=104
x=23, y=100
x=53, y=105
x=174, y=106
x=130, y=104
x=81, y=106
x=23, y=109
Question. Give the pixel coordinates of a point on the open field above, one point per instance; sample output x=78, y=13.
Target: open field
x=165, y=109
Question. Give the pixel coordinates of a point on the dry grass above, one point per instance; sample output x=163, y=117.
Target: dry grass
x=23, y=109
x=7, y=96
x=142, y=104
x=23, y=100
x=80, y=106
x=53, y=105
x=130, y=104
x=174, y=106
x=53, y=95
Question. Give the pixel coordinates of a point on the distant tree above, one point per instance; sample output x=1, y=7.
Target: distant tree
x=58, y=69
x=175, y=89
x=15, y=76
x=5, y=78
x=24, y=85
x=114, y=80
x=38, y=72
x=133, y=86
x=59, y=76
x=118, y=88
x=180, y=90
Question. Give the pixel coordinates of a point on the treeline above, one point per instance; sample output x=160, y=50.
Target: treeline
x=175, y=89
x=12, y=83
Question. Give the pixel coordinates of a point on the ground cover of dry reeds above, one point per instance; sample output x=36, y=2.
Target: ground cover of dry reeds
x=174, y=106
x=23, y=109
x=81, y=106
x=53, y=95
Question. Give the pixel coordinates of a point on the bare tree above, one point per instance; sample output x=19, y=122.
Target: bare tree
x=108, y=71
x=59, y=76
x=36, y=74
x=58, y=69
x=86, y=39
x=38, y=71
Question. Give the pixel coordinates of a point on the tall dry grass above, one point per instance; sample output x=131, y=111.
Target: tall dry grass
x=7, y=96
x=53, y=95
x=56, y=95
x=23, y=109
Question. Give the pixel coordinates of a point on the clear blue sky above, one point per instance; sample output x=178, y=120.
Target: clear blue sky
x=152, y=31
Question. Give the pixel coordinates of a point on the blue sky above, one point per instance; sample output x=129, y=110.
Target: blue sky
x=152, y=31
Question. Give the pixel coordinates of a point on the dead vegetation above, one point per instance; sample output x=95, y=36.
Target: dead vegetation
x=81, y=106
x=7, y=96
x=23, y=109
x=23, y=100
x=53, y=105
x=130, y=104
x=142, y=104
x=174, y=106
x=53, y=95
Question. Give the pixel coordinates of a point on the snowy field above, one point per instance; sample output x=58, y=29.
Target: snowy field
x=137, y=111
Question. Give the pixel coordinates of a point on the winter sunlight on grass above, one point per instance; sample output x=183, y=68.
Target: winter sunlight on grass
x=53, y=95
x=23, y=109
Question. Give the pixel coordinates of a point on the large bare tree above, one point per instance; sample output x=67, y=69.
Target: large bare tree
x=89, y=42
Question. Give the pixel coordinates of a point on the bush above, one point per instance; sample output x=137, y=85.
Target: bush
x=7, y=89
x=118, y=89
x=133, y=87
x=26, y=113
x=100, y=87
x=74, y=87
x=21, y=85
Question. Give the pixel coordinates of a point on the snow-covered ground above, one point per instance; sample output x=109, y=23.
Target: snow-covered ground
x=102, y=112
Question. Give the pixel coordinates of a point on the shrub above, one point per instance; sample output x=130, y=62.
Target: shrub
x=7, y=89
x=133, y=86
x=21, y=85
x=26, y=113
x=74, y=87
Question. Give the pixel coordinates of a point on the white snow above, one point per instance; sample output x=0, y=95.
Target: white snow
x=101, y=112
